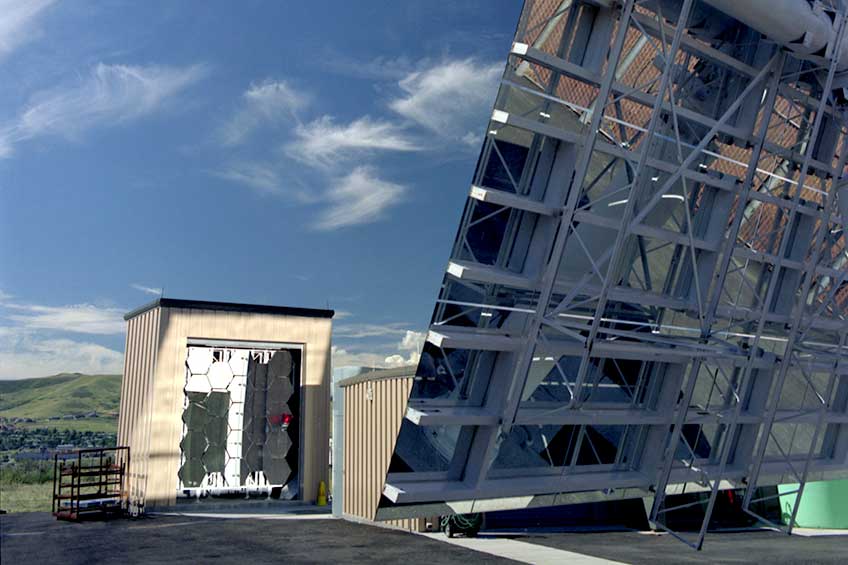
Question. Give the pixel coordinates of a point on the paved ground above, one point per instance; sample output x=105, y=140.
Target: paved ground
x=534, y=554
x=768, y=547
x=39, y=538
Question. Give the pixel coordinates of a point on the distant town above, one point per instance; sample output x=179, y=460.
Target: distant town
x=33, y=439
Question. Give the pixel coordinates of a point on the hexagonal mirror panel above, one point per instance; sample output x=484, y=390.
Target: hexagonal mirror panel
x=276, y=470
x=220, y=375
x=238, y=362
x=198, y=360
x=192, y=473
x=239, y=421
x=198, y=383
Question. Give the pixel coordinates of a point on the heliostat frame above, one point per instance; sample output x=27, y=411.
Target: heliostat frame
x=647, y=292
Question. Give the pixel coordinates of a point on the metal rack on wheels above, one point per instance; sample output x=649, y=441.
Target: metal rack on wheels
x=90, y=482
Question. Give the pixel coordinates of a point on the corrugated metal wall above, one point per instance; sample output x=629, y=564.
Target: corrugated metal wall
x=134, y=417
x=373, y=413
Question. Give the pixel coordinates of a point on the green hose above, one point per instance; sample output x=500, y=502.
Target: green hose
x=462, y=523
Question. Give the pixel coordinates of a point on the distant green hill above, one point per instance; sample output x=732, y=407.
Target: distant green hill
x=60, y=395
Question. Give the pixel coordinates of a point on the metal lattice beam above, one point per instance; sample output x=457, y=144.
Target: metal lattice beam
x=643, y=287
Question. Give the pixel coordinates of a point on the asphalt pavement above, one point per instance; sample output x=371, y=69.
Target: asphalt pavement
x=40, y=538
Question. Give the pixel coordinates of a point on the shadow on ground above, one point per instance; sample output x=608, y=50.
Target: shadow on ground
x=39, y=538
x=761, y=546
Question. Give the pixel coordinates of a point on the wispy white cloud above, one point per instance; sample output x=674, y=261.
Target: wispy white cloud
x=75, y=318
x=358, y=198
x=257, y=176
x=19, y=22
x=34, y=339
x=146, y=289
x=323, y=142
x=471, y=139
x=266, y=103
x=359, y=331
x=266, y=179
x=379, y=68
x=5, y=145
x=25, y=353
x=450, y=98
x=110, y=95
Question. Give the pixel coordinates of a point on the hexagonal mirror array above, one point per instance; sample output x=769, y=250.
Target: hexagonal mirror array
x=236, y=419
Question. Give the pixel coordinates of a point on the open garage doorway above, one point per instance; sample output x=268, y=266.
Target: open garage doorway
x=241, y=432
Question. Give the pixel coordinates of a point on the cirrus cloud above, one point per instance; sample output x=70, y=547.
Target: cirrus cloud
x=76, y=318
x=19, y=22
x=110, y=95
x=358, y=198
x=324, y=143
x=266, y=103
x=146, y=289
x=450, y=98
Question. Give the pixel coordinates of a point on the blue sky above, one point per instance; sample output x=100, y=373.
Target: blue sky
x=298, y=153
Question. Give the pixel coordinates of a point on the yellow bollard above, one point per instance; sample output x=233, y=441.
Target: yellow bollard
x=322, y=494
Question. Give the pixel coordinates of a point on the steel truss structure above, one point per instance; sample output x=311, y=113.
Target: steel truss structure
x=647, y=293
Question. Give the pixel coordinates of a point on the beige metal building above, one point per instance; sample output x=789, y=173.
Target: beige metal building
x=372, y=405
x=223, y=399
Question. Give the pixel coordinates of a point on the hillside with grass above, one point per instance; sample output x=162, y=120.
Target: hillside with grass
x=26, y=466
x=60, y=395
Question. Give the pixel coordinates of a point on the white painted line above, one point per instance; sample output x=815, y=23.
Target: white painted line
x=228, y=515
x=169, y=525
x=814, y=532
x=802, y=532
x=520, y=551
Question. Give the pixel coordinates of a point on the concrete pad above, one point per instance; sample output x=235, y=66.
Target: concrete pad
x=813, y=532
x=520, y=551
